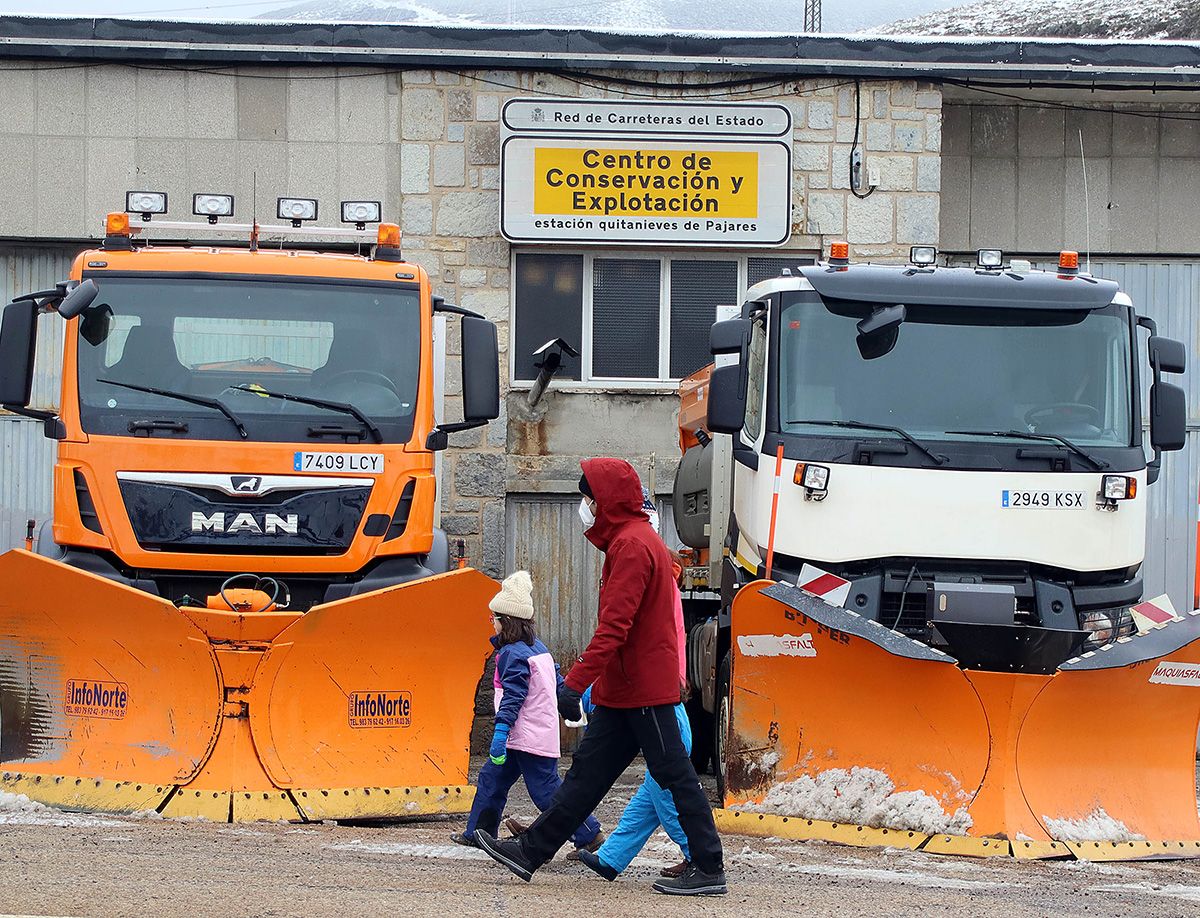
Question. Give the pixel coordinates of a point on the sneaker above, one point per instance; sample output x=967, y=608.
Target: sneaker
x=675, y=872
x=460, y=839
x=508, y=853
x=592, y=861
x=515, y=826
x=694, y=882
x=592, y=846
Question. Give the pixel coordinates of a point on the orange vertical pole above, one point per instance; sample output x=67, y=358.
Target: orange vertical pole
x=774, y=509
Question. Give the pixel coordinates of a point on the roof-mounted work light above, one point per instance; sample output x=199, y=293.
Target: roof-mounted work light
x=212, y=206
x=297, y=210
x=923, y=255
x=146, y=203
x=990, y=259
x=360, y=213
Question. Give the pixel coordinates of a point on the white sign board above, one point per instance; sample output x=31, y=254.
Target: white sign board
x=677, y=173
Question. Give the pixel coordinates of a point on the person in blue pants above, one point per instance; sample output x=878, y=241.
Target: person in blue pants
x=650, y=808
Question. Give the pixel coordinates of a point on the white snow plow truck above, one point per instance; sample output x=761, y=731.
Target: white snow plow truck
x=915, y=498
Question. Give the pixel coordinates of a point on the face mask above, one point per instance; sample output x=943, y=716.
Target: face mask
x=586, y=515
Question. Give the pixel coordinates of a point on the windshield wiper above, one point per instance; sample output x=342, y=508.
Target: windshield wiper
x=864, y=425
x=318, y=403
x=184, y=397
x=1098, y=464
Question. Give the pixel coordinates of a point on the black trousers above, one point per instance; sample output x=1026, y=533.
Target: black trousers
x=614, y=736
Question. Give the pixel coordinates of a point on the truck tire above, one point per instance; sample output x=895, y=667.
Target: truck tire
x=721, y=721
x=702, y=736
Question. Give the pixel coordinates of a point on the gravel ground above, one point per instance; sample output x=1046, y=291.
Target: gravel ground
x=66, y=864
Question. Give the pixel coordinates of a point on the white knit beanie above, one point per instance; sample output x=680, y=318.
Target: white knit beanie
x=515, y=597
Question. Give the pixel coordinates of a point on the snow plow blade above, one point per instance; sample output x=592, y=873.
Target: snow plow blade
x=845, y=730
x=115, y=700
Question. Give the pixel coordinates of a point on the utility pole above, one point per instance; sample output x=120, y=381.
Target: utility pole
x=812, y=16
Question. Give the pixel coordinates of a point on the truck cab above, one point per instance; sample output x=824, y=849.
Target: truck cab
x=248, y=408
x=959, y=447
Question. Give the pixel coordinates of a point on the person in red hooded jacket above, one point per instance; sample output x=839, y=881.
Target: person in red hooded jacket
x=632, y=664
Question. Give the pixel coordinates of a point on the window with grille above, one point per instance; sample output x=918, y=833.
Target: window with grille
x=636, y=320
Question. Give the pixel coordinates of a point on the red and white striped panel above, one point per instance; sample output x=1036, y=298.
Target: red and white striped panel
x=833, y=589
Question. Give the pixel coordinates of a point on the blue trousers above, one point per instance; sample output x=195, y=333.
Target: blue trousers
x=541, y=780
x=650, y=807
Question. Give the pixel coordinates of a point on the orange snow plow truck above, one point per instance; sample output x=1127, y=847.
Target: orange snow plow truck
x=242, y=608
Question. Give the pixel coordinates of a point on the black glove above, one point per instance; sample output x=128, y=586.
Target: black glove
x=569, y=707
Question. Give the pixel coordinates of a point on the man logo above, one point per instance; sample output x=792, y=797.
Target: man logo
x=247, y=484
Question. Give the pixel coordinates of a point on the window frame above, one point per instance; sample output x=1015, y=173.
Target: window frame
x=662, y=383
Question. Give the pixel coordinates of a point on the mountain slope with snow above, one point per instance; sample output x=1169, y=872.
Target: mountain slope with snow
x=1177, y=19
x=666, y=15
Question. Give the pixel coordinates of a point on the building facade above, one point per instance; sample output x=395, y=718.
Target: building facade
x=418, y=124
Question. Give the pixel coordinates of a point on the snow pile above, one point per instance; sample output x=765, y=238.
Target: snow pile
x=19, y=810
x=864, y=797
x=1174, y=19
x=1095, y=826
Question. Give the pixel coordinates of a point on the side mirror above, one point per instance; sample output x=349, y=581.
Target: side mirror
x=1167, y=354
x=727, y=399
x=480, y=371
x=729, y=337
x=78, y=299
x=878, y=332
x=1168, y=416
x=18, y=340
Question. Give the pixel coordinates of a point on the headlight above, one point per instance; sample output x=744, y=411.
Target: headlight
x=1119, y=487
x=812, y=477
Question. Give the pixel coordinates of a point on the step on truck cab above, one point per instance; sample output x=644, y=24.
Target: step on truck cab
x=248, y=433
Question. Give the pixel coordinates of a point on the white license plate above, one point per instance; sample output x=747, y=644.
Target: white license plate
x=362, y=463
x=1043, y=500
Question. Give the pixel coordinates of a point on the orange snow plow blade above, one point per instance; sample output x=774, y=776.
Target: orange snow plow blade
x=114, y=700
x=842, y=729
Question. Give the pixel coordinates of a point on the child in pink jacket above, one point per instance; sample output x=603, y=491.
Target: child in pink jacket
x=525, y=740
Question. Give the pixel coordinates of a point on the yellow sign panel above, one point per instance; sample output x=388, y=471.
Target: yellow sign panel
x=599, y=181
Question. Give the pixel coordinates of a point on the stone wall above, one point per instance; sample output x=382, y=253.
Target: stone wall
x=1013, y=178
x=427, y=143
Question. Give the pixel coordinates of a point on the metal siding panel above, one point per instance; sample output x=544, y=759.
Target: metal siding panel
x=545, y=538
x=24, y=269
x=1169, y=292
x=26, y=472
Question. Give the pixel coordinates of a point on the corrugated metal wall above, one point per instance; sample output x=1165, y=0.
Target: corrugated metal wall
x=1169, y=292
x=26, y=457
x=545, y=537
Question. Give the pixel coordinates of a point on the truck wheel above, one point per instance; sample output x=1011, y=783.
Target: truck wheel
x=721, y=722
x=702, y=736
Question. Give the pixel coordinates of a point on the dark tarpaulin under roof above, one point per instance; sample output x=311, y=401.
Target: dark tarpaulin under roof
x=366, y=44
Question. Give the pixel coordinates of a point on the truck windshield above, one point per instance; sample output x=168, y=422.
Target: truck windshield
x=960, y=369
x=196, y=340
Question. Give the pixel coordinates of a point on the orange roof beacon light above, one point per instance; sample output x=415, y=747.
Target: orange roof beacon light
x=387, y=242
x=839, y=253
x=1068, y=263
x=117, y=232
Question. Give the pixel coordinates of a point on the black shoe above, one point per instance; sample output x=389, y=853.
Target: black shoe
x=593, y=861
x=694, y=882
x=508, y=853
x=459, y=839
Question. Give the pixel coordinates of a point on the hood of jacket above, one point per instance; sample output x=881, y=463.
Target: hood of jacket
x=618, y=494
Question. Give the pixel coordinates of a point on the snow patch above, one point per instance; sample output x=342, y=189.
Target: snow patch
x=892, y=875
x=19, y=810
x=1172, y=890
x=406, y=849
x=1095, y=826
x=863, y=797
